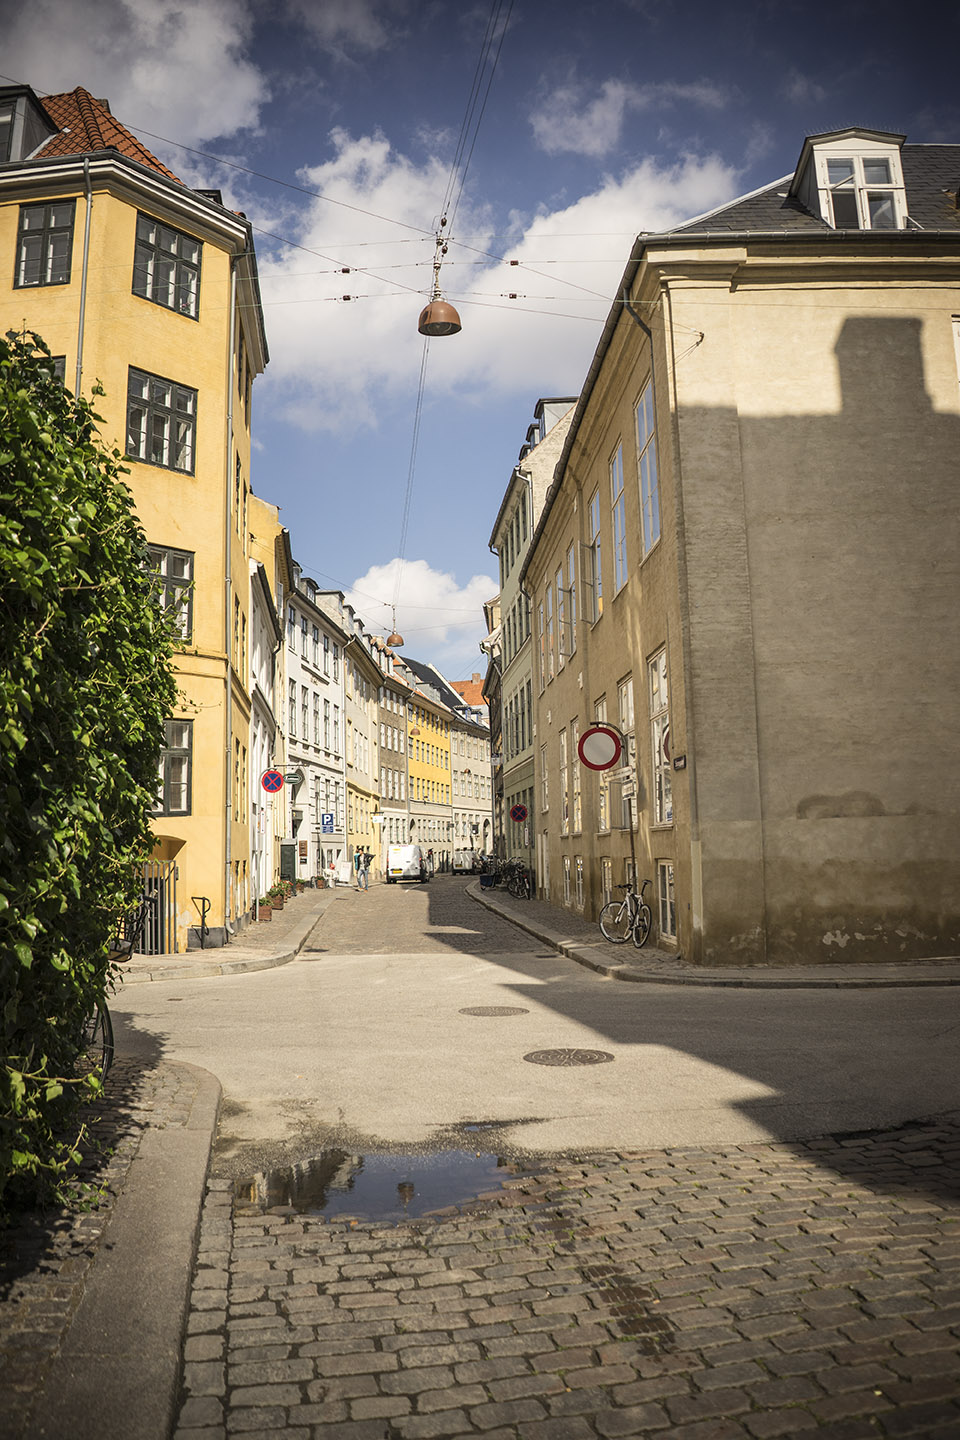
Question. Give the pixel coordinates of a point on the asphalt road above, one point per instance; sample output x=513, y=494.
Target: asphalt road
x=364, y=1040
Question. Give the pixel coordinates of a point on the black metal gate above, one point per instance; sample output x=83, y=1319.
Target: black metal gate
x=160, y=881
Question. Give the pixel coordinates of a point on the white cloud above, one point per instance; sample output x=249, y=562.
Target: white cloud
x=438, y=619
x=335, y=363
x=803, y=89
x=341, y=25
x=566, y=121
x=174, y=67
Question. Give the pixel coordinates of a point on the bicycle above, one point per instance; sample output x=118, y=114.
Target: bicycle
x=630, y=917
x=518, y=879
x=97, y=1046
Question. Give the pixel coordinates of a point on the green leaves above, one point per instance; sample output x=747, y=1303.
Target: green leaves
x=85, y=684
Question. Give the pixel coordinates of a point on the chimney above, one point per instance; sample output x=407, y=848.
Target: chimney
x=477, y=678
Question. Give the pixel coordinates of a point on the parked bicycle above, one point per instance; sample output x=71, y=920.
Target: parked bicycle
x=97, y=1047
x=631, y=917
x=518, y=879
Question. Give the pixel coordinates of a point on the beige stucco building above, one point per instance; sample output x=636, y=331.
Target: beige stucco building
x=510, y=539
x=758, y=488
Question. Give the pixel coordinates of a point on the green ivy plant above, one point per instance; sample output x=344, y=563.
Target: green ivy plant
x=86, y=681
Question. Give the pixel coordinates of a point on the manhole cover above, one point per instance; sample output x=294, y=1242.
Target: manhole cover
x=494, y=1010
x=568, y=1057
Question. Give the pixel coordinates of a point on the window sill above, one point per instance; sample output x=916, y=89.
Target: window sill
x=652, y=551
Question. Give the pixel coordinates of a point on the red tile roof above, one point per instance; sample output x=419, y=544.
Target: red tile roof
x=85, y=126
x=471, y=690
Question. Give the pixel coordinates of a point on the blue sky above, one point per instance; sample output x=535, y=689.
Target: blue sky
x=600, y=120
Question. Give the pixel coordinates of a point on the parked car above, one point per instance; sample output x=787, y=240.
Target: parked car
x=466, y=862
x=406, y=862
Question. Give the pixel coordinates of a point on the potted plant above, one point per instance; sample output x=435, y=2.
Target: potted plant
x=265, y=908
x=277, y=895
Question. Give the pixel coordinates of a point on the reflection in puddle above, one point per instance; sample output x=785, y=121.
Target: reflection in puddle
x=376, y=1187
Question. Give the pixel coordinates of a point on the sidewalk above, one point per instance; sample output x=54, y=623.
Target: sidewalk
x=260, y=946
x=580, y=940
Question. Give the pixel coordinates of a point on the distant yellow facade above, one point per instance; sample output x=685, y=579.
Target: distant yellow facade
x=147, y=289
x=428, y=756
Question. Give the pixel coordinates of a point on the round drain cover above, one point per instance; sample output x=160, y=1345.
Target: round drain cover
x=568, y=1057
x=494, y=1010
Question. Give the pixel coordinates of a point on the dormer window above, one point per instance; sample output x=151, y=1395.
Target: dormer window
x=853, y=179
x=862, y=193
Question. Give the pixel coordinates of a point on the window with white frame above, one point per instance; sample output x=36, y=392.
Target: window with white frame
x=660, y=740
x=316, y=644
x=647, y=468
x=591, y=576
x=564, y=797
x=303, y=636
x=575, y=807
x=291, y=627
x=304, y=713
x=161, y=421
x=561, y=619
x=544, y=781
x=665, y=901
x=316, y=718
x=578, y=880
x=549, y=608
x=326, y=724
x=292, y=713
x=541, y=637
x=566, y=879
x=166, y=267
x=572, y=600
x=618, y=514
x=606, y=879
x=629, y=760
x=603, y=776
x=863, y=192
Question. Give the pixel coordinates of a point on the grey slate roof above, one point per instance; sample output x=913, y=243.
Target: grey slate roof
x=931, y=174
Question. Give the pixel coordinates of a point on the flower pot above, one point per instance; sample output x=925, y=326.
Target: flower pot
x=265, y=912
x=277, y=902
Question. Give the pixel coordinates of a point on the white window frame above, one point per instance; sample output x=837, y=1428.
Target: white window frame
x=648, y=477
x=659, y=698
x=618, y=519
x=666, y=900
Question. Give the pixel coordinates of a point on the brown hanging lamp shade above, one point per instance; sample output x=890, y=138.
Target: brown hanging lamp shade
x=394, y=638
x=439, y=318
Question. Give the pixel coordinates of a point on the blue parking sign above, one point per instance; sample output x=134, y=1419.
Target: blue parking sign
x=326, y=823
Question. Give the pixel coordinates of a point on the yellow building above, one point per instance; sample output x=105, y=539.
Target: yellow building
x=428, y=758
x=149, y=289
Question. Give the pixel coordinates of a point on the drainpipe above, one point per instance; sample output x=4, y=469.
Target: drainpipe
x=227, y=612
x=83, y=277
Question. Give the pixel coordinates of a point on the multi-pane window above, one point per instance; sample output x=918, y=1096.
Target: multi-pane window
x=575, y=776
x=665, y=901
x=315, y=638
x=619, y=514
x=316, y=718
x=572, y=600
x=326, y=654
x=862, y=193
x=626, y=720
x=561, y=619
x=326, y=724
x=291, y=627
x=303, y=636
x=550, y=655
x=578, y=877
x=592, y=578
x=45, y=244
x=336, y=729
x=161, y=421
x=660, y=740
x=544, y=780
x=606, y=879
x=166, y=267
x=173, y=793
x=541, y=636
x=647, y=469
x=292, y=714
x=174, y=572
x=564, y=797
x=603, y=782
x=566, y=879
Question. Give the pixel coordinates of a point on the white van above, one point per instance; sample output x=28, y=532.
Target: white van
x=465, y=861
x=406, y=862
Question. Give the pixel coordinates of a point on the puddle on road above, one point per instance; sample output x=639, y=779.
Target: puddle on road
x=376, y=1187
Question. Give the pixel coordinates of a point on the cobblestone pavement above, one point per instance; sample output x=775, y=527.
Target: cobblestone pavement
x=752, y=1291
x=46, y=1256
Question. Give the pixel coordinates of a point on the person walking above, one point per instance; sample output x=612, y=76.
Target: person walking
x=358, y=870
x=367, y=862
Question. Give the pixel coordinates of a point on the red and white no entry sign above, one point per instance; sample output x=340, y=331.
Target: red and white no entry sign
x=272, y=781
x=600, y=747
